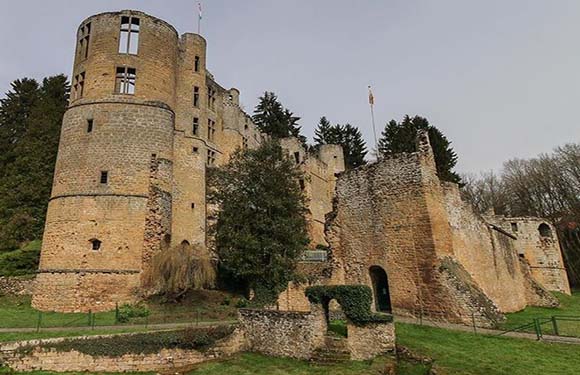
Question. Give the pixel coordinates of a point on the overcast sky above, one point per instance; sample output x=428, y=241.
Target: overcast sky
x=501, y=78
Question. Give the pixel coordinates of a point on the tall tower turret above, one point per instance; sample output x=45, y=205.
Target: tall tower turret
x=112, y=191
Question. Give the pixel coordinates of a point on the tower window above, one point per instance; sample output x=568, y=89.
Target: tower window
x=192, y=206
x=90, y=123
x=195, y=129
x=210, y=130
x=195, y=150
x=85, y=36
x=210, y=157
x=211, y=93
x=297, y=157
x=302, y=184
x=79, y=85
x=129, y=38
x=95, y=244
x=514, y=227
x=196, y=64
x=196, y=96
x=244, y=142
x=125, y=80
x=104, y=177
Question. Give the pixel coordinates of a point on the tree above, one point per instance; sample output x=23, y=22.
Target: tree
x=177, y=270
x=260, y=231
x=275, y=120
x=347, y=136
x=30, y=122
x=400, y=137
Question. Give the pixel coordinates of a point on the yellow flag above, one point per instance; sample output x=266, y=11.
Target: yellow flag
x=371, y=97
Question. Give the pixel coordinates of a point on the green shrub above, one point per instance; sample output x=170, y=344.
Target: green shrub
x=128, y=311
x=142, y=343
x=241, y=303
x=355, y=300
x=21, y=262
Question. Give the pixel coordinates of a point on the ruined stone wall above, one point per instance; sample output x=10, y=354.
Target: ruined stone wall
x=368, y=341
x=488, y=254
x=284, y=333
x=167, y=360
x=392, y=214
x=320, y=170
x=542, y=252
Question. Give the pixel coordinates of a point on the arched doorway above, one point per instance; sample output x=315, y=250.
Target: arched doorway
x=381, y=289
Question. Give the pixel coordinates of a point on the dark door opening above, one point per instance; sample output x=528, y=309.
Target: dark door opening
x=381, y=289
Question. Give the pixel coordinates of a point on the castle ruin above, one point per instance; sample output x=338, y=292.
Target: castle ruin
x=146, y=119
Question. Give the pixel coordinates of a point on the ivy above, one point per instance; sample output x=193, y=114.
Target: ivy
x=355, y=300
x=199, y=339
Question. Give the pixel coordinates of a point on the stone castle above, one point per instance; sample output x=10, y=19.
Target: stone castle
x=146, y=119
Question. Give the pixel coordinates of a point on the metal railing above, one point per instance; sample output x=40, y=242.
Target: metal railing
x=556, y=325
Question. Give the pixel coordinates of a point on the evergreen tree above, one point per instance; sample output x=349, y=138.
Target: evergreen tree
x=400, y=137
x=275, y=120
x=30, y=121
x=261, y=230
x=347, y=136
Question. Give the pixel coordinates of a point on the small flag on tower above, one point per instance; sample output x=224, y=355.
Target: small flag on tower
x=371, y=97
x=199, y=6
x=199, y=17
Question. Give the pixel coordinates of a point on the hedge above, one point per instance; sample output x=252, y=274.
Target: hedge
x=355, y=300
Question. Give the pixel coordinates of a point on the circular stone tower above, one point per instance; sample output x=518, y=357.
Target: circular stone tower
x=111, y=201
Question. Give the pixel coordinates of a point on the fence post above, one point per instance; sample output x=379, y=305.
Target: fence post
x=39, y=321
x=555, y=326
x=116, y=313
x=538, y=328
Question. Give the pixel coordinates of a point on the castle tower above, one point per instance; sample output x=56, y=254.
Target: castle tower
x=111, y=202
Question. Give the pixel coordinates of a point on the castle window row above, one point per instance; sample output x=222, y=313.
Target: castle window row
x=129, y=37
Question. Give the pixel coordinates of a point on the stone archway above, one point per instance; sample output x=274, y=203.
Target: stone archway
x=381, y=292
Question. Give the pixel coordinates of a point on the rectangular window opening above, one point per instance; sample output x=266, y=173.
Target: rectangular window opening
x=196, y=64
x=79, y=86
x=195, y=150
x=129, y=37
x=514, y=227
x=302, y=184
x=196, y=96
x=297, y=157
x=84, y=40
x=210, y=157
x=210, y=130
x=195, y=129
x=125, y=80
x=90, y=123
x=104, y=177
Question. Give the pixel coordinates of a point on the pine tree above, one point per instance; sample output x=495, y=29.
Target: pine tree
x=347, y=136
x=30, y=121
x=400, y=137
x=275, y=120
x=261, y=230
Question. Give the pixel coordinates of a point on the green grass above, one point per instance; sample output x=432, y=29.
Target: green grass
x=16, y=312
x=569, y=306
x=254, y=364
x=468, y=354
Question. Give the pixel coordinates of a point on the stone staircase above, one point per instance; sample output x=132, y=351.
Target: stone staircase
x=335, y=350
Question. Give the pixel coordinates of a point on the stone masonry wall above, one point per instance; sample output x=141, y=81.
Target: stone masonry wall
x=20, y=286
x=284, y=333
x=73, y=361
x=543, y=253
x=368, y=341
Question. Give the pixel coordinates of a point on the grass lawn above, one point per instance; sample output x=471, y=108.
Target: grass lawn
x=465, y=353
x=16, y=312
x=254, y=364
x=569, y=306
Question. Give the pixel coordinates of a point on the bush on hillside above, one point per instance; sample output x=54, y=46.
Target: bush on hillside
x=21, y=262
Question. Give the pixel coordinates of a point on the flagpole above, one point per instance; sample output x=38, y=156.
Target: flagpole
x=372, y=105
x=199, y=18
